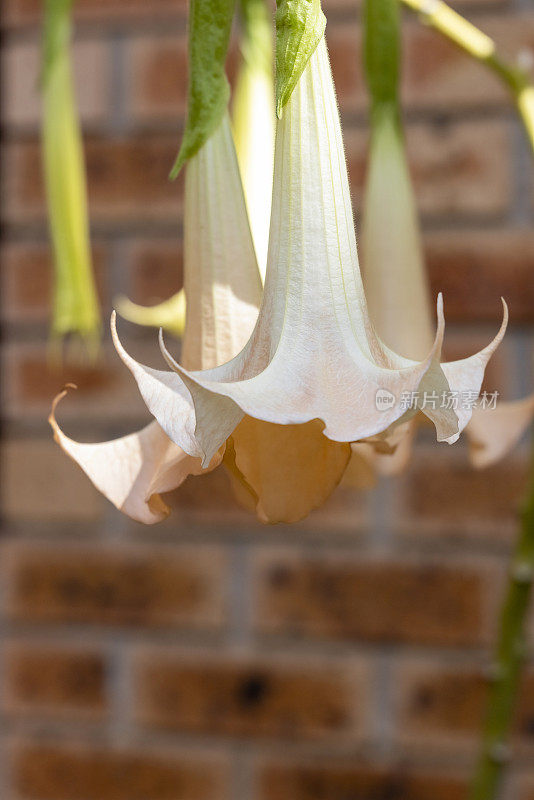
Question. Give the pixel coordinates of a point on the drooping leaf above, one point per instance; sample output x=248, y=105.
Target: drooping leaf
x=300, y=26
x=210, y=22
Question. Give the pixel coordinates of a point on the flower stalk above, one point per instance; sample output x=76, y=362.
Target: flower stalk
x=75, y=304
x=480, y=46
x=510, y=659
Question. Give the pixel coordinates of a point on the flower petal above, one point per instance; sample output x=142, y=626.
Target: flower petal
x=383, y=462
x=222, y=281
x=169, y=315
x=223, y=288
x=493, y=432
x=134, y=470
x=291, y=469
x=165, y=396
x=466, y=375
x=359, y=473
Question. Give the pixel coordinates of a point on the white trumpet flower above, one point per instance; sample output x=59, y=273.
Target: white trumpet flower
x=397, y=292
x=224, y=291
x=313, y=356
x=281, y=472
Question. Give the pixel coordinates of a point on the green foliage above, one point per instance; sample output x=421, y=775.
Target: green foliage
x=300, y=25
x=210, y=22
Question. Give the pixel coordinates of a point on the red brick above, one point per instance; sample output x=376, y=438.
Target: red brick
x=106, y=389
x=208, y=500
x=437, y=701
x=27, y=278
x=157, y=76
x=447, y=704
x=21, y=65
x=127, y=180
x=330, y=781
x=474, y=268
x=158, y=586
x=453, y=174
x=54, y=681
x=448, y=492
x=155, y=269
x=28, y=12
x=275, y=698
x=344, y=47
x=83, y=772
x=524, y=788
x=40, y=484
x=419, y=602
x=439, y=75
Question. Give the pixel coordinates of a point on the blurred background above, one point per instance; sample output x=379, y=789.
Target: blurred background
x=210, y=657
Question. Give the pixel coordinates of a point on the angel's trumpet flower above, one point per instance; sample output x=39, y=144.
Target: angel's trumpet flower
x=397, y=292
x=279, y=471
x=394, y=271
x=313, y=356
x=224, y=290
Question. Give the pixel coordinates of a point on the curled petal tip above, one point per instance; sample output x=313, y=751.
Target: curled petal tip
x=506, y=314
x=492, y=346
x=56, y=401
x=113, y=324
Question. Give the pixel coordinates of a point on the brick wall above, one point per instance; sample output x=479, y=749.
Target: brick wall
x=210, y=658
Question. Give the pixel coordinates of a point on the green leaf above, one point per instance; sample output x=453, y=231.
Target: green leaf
x=210, y=22
x=300, y=25
x=382, y=49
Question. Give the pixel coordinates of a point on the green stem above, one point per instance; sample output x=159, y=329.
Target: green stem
x=75, y=299
x=510, y=656
x=480, y=46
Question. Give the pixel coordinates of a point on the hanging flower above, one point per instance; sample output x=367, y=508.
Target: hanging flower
x=394, y=272
x=282, y=412
x=313, y=357
x=224, y=291
x=283, y=471
x=394, y=268
x=75, y=304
